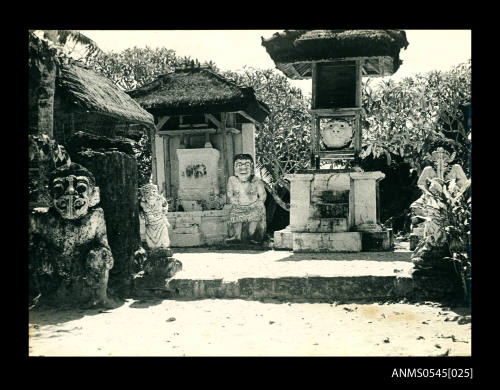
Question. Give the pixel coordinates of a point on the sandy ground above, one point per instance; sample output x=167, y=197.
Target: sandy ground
x=198, y=263
x=251, y=328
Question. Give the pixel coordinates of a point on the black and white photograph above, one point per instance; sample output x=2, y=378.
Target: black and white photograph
x=250, y=193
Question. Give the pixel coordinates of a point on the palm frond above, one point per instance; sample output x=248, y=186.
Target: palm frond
x=64, y=35
x=264, y=173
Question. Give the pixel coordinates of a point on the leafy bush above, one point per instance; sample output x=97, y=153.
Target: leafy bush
x=412, y=117
x=447, y=231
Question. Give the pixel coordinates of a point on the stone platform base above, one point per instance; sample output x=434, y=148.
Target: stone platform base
x=333, y=242
x=195, y=228
x=327, y=242
x=283, y=239
x=378, y=241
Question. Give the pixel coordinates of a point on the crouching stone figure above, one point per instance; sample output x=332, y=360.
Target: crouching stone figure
x=69, y=253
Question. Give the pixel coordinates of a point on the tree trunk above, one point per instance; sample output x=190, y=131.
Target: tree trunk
x=44, y=93
x=116, y=175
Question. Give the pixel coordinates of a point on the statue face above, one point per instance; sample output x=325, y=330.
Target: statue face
x=149, y=193
x=72, y=195
x=243, y=169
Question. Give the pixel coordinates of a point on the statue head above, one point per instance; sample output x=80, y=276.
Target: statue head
x=149, y=192
x=73, y=191
x=441, y=159
x=243, y=167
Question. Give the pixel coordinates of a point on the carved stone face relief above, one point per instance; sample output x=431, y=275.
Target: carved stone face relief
x=72, y=196
x=243, y=169
x=336, y=133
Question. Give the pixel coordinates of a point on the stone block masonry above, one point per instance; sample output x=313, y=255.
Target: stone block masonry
x=326, y=242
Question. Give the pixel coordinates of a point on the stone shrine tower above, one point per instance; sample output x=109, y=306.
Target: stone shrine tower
x=335, y=210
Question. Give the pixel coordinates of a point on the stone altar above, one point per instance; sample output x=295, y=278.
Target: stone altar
x=334, y=211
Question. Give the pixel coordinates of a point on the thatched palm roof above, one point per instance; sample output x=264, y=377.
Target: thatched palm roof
x=197, y=90
x=302, y=46
x=93, y=92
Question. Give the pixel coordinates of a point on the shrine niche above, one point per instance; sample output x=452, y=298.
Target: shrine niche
x=202, y=122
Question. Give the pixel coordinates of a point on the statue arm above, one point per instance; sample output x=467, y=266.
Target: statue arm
x=458, y=174
x=100, y=233
x=230, y=190
x=261, y=191
x=427, y=173
x=101, y=253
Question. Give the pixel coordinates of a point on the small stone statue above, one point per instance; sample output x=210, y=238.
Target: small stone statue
x=431, y=181
x=154, y=209
x=70, y=257
x=246, y=193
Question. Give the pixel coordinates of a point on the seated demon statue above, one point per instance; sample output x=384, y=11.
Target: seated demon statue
x=69, y=253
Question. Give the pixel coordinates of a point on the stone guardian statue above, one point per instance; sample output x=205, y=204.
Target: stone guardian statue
x=154, y=208
x=69, y=253
x=246, y=193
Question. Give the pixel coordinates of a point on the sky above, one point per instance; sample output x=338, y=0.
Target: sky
x=233, y=49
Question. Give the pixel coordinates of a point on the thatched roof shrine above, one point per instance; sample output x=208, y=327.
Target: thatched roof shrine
x=94, y=93
x=293, y=51
x=192, y=91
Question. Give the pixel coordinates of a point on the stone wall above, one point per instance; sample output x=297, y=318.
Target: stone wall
x=196, y=228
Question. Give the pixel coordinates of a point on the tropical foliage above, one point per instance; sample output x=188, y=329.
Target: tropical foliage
x=450, y=210
x=133, y=68
x=411, y=117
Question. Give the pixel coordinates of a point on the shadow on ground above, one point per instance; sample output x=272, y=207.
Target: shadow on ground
x=49, y=315
x=370, y=256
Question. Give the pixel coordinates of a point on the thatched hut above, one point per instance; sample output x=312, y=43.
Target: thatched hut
x=202, y=121
x=89, y=102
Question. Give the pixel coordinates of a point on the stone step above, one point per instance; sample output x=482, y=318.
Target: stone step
x=285, y=275
x=340, y=288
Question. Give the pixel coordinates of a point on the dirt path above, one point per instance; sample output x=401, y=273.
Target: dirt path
x=251, y=328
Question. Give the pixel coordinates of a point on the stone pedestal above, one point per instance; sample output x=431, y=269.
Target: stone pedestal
x=159, y=266
x=321, y=220
x=318, y=220
x=364, y=201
